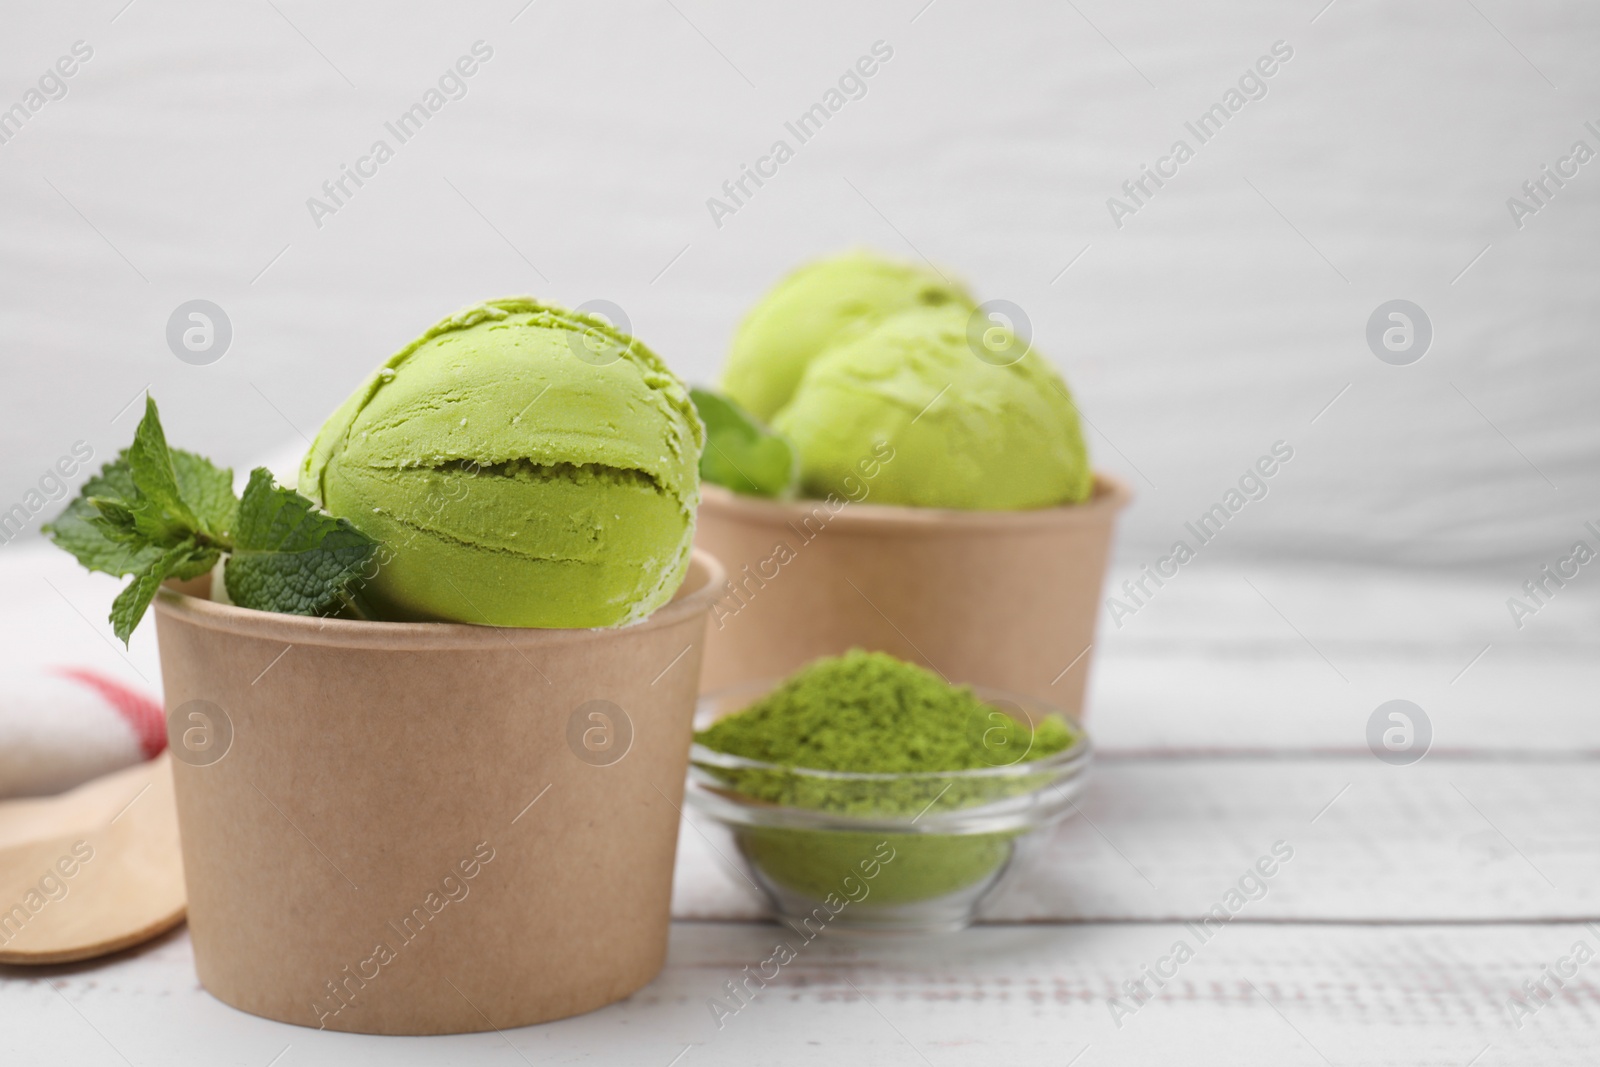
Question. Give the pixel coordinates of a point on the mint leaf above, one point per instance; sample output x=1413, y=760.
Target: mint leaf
x=207, y=490
x=157, y=513
x=741, y=453
x=153, y=512
x=199, y=562
x=116, y=519
x=114, y=482
x=158, y=509
x=289, y=557
x=80, y=529
x=179, y=560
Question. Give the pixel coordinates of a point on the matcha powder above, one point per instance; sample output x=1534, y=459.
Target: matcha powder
x=870, y=712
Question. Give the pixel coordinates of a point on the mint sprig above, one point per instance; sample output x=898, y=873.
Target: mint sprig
x=288, y=556
x=741, y=453
x=157, y=512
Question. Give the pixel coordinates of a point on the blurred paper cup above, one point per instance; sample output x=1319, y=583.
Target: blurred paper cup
x=1005, y=599
x=425, y=828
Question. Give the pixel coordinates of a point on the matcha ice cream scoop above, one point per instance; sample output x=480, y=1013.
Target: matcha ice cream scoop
x=965, y=432
x=816, y=306
x=511, y=482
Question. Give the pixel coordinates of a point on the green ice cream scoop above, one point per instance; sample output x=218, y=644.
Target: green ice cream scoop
x=966, y=432
x=817, y=306
x=522, y=465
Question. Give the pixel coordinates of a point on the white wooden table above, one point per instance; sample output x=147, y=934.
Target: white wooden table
x=1418, y=900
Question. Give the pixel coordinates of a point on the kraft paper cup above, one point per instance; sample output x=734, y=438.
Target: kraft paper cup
x=426, y=828
x=1005, y=599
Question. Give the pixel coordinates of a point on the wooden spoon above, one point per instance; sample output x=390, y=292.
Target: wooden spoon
x=91, y=871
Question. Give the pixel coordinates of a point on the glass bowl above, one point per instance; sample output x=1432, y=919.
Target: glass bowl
x=864, y=852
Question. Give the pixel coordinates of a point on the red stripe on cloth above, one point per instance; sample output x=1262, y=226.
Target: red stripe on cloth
x=137, y=710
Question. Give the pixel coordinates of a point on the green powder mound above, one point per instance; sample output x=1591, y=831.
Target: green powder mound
x=870, y=712
x=867, y=712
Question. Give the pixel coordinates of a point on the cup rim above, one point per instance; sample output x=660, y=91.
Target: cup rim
x=701, y=585
x=1069, y=762
x=1109, y=496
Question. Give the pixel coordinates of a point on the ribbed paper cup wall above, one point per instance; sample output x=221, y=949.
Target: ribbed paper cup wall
x=424, y=828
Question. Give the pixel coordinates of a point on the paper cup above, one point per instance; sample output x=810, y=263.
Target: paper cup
x=426, y=828
x=1005, y=599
